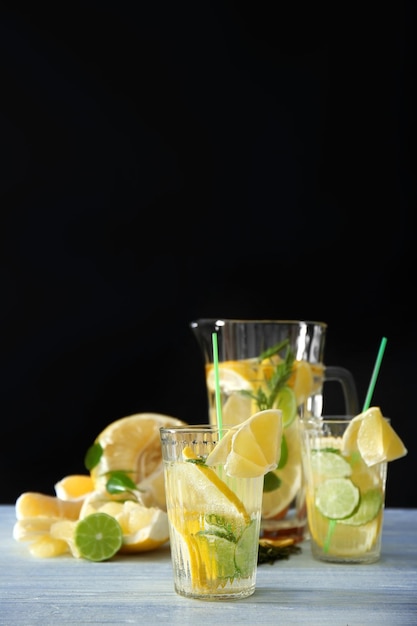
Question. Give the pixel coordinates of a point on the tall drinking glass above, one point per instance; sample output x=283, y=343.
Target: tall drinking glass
x=214, y=519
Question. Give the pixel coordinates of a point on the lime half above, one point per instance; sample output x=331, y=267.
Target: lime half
x=98, y=537
x=337, y=498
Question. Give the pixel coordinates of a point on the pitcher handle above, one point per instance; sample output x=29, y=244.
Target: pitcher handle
x=345, y=378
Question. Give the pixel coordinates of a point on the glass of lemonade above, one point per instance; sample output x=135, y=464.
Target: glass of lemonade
x=345, y=496
x=214, y=519
x=273, y=364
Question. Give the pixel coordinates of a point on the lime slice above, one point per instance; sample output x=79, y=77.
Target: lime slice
x=246, y=551
x=337, y=498
x=98, y=537
x=326, y=463
x=219, y=551
x=286, y=401
x=284, y=453
x=369, y=507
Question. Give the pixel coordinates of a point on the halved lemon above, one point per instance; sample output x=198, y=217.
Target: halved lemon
x=132, y=445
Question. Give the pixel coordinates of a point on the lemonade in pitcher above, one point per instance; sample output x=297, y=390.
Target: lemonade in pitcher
x=274, y=380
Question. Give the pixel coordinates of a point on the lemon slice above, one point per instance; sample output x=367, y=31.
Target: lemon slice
x=202, y=487
x=371, y=434
x=237, y=409
x=286, y=479
x=337, y=498
x=233, y=375
x=132, y=445
x=252, y=448
x=303, y=381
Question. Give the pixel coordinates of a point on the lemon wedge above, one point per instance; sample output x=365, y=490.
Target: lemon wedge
x=251, y=449
x=371, y=434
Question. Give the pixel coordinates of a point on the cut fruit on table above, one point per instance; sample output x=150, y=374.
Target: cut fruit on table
x=131, y=447
x=252, y=448
x=48, y=523
x=144, y=528
x=374, y=437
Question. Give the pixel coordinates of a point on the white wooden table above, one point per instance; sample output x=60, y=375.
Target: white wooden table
x=139, y=590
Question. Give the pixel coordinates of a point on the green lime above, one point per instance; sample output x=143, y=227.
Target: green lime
x=271, y=482
x=284, y=453
x=98, y=537
x=337, y=498
x=246, y=552
x=219, y=551
x=286, y=401
x=369, y=507
x=326, y=463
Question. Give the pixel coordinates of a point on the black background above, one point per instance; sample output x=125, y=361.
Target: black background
x=163, y=162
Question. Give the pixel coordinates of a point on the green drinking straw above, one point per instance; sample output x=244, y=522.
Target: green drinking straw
x=216, y=381
x=366, y=404
x=375, y=374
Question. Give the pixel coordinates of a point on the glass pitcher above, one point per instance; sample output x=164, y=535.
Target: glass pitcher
x=273, y=364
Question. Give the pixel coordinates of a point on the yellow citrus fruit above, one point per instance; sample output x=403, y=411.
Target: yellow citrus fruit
x=233, y=375
x=203, y=490
x=36, y=513
x=252, y=448
x=371, y=434
x=74, y=487
x=143, y=528
x=237, y=409
x=132, y=445
x=32, y=504
x=289, y=477
x=301, y=381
